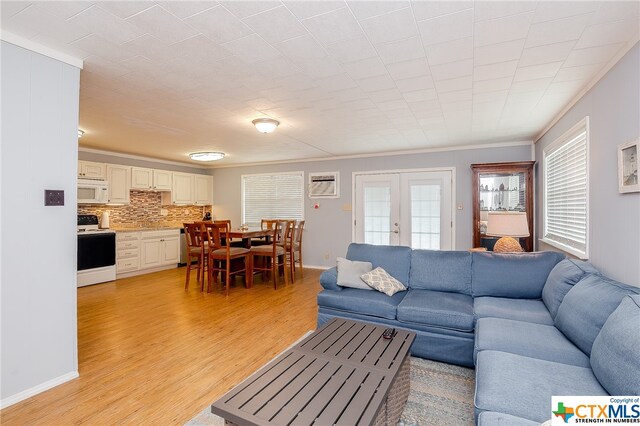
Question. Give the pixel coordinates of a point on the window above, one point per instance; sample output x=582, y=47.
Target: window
x=566, y=191
x=272, y=196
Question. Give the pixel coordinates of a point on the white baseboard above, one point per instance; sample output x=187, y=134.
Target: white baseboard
x=316, y=267
x=28, y=393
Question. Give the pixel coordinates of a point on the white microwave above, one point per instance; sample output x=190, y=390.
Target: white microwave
x=93, y=191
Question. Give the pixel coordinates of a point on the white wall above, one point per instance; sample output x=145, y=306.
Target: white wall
x=38, y=244
x=613, y=107
x=140, y=162
x=328, y=229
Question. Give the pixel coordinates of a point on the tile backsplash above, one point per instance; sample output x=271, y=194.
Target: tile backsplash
x=144, y=210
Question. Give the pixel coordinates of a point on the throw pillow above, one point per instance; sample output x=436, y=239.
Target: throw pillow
x=383, y=282
x=349, y=272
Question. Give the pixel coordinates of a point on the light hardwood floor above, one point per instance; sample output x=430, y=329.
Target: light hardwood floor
x=152, y=353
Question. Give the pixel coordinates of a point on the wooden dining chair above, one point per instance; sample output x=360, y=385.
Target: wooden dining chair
x=222, y=256
x=273, y=256
x=285, y=240
x=297, y=246
x=195, y=250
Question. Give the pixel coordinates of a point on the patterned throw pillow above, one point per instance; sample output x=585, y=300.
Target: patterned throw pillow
x=380, y=280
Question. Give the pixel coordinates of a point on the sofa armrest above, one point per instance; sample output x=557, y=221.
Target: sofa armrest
x=329, y=279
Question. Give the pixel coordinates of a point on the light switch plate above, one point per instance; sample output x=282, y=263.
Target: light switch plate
x=54, y=197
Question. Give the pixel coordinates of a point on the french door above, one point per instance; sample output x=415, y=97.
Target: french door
x=404, y=208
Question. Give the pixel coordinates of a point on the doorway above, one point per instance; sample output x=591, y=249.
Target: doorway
x=411, y=208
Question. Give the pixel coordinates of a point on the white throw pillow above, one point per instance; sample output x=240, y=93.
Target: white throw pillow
x=349, y=272
x=383, y=282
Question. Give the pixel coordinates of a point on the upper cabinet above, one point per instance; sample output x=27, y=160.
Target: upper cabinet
x=203, y=190
x=143, y=178
x=91, y=170
x=162, y=180
x=501, y=187
x=119, y=178
x=183, y=188
x=176, y=187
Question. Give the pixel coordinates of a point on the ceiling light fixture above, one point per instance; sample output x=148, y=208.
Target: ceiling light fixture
x=80, y=133
x=265, y=125
x=207, y=156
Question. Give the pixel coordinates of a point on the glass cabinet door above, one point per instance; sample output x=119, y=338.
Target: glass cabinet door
x=501, y=187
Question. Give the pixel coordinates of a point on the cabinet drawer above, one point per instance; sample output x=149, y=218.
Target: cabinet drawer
x=153, y=235
x=123, y=254
x=127, y=265
x=127, y=245
x=127, y=236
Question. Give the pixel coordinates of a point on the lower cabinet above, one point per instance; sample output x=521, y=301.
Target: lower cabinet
x=153, y=249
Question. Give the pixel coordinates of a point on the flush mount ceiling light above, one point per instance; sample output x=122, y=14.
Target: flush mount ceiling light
x=207, y=156
x=80, y=133
x=265, y=125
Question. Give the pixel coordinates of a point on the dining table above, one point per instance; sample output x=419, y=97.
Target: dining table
x=247, y=234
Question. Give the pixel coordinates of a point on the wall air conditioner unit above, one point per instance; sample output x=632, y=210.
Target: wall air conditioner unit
x=324, y=185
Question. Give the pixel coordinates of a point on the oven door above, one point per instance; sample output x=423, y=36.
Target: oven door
x=96, y=250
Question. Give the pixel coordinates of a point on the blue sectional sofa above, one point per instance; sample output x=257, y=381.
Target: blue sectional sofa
x=533, y=324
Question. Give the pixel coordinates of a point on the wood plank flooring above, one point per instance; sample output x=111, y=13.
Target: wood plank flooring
x=152, y=353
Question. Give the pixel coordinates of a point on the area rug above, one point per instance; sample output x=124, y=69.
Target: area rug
x=441, y=394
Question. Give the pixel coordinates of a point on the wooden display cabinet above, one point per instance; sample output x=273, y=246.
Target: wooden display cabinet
x=501, y=187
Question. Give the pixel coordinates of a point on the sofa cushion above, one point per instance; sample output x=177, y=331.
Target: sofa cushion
x=527, y=339
x=437, y=308
x=615, y=355
x=587, y=306
x=516, y=275
x=380, y=280
x=561, y=278
x=441, y=271
x=396, y=260
x=516, y=309
x=491, y=418
x=359, y=301
x=349, y=272
x=523, y=386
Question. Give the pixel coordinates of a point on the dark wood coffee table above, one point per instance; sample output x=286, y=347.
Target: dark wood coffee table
x=344, y=373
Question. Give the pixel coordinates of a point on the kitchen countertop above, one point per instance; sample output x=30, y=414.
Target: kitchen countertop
x=121, y=228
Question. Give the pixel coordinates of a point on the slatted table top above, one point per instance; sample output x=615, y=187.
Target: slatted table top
x=340, y=374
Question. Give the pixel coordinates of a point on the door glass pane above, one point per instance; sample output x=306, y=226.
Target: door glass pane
x=377, y=215
x=425, y=217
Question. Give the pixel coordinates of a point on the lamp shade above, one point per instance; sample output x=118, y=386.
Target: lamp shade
x=508, y=224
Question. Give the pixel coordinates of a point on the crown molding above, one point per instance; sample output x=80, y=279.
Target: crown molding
x=41, y=49
x=382, y=154
x=141, y=158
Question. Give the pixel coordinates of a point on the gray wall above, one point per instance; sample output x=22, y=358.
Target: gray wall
x=115, y=159
x=613, y=107
x=38, y=260
x=328, y=229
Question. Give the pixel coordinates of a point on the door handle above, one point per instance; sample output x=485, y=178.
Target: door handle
x=396, y=231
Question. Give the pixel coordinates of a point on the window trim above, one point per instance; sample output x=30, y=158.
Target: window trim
x=556, y=144
x=242, y=189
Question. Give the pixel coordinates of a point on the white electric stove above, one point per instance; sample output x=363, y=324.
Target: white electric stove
x=96, y=252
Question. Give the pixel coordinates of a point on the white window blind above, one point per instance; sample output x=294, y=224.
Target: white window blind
x=272, y=196
x=566, y=192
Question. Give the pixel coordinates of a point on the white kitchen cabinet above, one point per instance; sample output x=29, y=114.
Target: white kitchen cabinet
x=127, y=251
x=141, y=178
x=91, y=170
x=182, y=191
x=154, y=179
x=203, y=190
x=162, y=180
x=159, y=248
x=119, y=178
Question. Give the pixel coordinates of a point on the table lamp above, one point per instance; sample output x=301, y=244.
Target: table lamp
x=509, y=226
